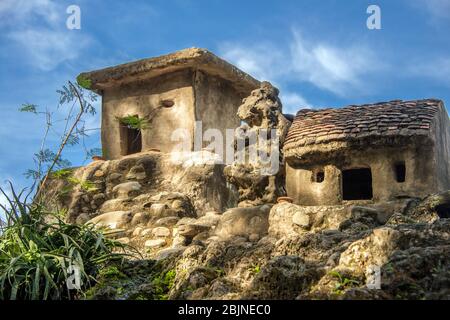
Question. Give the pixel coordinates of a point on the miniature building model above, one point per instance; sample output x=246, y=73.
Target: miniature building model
x=168, y=92
x=368, y=153
x=379, y=152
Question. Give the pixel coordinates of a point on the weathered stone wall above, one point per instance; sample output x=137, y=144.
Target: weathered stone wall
x=141, y=98
x=442, y=145
x=216, y=103
x=197, y=97
x=420, y=179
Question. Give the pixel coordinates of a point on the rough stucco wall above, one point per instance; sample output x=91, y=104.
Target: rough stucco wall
x=442, y=143
x=304, y=191
x=216, y=103
x=420, y=178
x=140, y=98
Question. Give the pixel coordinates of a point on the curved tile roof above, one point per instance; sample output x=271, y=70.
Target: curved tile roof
x=397, y=117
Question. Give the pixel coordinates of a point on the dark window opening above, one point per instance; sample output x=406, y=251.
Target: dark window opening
x=400, y=172
x=357, y=184
x=131, y=139
x=318, y=176
x=443, y=211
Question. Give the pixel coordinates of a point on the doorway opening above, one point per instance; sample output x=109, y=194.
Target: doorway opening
x=131, y=138
x=357, y=184
x=400, y=171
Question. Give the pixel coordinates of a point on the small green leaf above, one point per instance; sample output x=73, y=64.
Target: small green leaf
x=27, y=107
x=133, y=122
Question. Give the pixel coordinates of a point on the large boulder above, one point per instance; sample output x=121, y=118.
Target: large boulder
x=127, y=189
x=288, y=219
x=112, y=220
x=373, y=250
x=244, y=222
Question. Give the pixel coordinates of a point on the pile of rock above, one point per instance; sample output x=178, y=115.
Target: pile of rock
x=275, y=251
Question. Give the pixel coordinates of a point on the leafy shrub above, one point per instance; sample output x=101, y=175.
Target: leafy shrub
x=163, y=283
x=343, y=283
x=37, y=248
x=133, y=122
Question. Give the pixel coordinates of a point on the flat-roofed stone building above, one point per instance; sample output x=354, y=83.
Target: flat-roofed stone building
x=380, y=152
x=169, y=92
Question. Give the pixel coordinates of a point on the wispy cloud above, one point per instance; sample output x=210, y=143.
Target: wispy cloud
x=292, y=102
x=263, y=61
x=48, y=48
x=438, y=8
x=21, y=12
x=38, y=29
x=436, y=69
x=340, y=70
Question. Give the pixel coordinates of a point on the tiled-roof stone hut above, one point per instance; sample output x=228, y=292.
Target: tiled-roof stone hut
x=171, y=91
x=375, y=153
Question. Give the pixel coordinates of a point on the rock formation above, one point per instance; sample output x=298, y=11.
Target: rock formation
x=198, y=243
x=300, y=253
x=261, y=114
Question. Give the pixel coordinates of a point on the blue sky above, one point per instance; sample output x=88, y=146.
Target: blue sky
x=319, y=53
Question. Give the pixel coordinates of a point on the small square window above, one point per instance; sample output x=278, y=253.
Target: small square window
x=318, y=176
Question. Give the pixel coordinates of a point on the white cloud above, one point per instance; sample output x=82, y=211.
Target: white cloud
x=292, y=102
x=335, y=69
x=48, y=48
x=438, y=8
x=20, y=11
x=38, y=29
x=266, y=62
x=437, y=69
x=339, y=70
x=263, y=61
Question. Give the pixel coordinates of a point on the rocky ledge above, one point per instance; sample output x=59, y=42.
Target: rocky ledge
x=196, y=243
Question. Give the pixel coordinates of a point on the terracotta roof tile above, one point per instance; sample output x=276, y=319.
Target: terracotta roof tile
x=353, y=122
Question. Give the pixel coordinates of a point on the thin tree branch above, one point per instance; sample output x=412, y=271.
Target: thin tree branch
x=65, y=140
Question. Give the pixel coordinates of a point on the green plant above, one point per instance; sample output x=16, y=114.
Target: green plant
x=37, y=249
x=111, y=272
x=28, y=107
x=62, y=173
x=220, y=272
x=85, y=185
x=163, y=283
x=65, y=174
x=133, y=122
x=75, y=103
x=255, y=269
x=343, y=282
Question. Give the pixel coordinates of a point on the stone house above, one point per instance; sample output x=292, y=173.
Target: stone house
x=368, y=153
x=169, y=92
